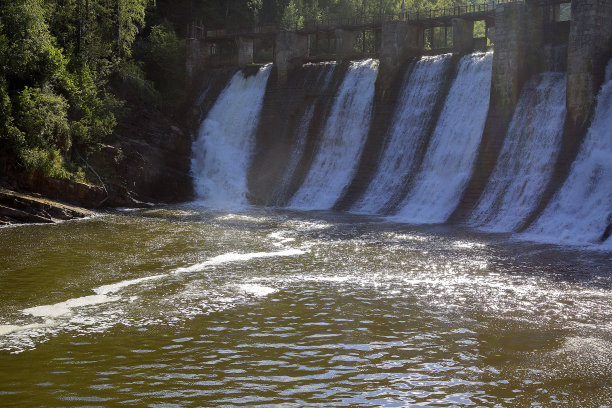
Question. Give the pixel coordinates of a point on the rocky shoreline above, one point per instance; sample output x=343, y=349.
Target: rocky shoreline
x=18, y=208
x=146, y=161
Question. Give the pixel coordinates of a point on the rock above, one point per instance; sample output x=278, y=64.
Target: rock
x=22, y=216
x=69, y=191
x=17, y=207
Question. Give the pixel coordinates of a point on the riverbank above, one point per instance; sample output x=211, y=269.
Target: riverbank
x=18, y=208
x=145, y=161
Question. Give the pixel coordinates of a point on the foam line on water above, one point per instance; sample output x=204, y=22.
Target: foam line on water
x=232, y=257
x=106, y=293
x=10, y=328
x=65, y=308
x=115, y=287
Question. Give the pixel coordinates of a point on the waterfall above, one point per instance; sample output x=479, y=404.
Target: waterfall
x=581, y=211
x=527, y=158
x=322, y=83
x=410, y=124
x=222, y=151
x=452, y=150
x=342, y=139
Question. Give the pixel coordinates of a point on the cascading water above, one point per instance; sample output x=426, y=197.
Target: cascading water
x=223, y=149
x=411, y=121
x=452, y=150
x=527, y=159
x=342, y=140
x=326, y=72
x=581, y=211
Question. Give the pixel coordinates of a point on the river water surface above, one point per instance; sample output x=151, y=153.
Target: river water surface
x=183, y=306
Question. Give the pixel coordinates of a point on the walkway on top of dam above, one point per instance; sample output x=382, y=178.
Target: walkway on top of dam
x=426, y=19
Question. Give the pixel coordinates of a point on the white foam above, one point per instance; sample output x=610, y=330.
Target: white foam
x=281, y=238
x=65, y=308
x=232, y=257
x=9, y=328
x=115, y=287
x=256, y=290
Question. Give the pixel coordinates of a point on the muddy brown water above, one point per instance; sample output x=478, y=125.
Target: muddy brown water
x=182, y=306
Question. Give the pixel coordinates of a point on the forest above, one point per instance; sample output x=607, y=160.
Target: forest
x=62, y=63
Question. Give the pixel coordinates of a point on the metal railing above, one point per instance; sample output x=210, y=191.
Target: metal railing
x=416, y=15
x=362, y=21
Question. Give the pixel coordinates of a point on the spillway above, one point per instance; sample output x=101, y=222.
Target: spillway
x=452, y=150
x=321, y=85
x=527, y=158
x=412, y=119
x=342, y=140
x=581, y=211
x=224, y=145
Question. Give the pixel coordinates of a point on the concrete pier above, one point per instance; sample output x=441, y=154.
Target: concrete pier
x=589, y=50
x=245, y=51
x=518, y=53
x=463, y=36
x=198, y=54
x=345, y=40
x=400, y=41
x=291, y=50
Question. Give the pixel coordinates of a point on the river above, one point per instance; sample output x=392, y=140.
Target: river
x=184, y=306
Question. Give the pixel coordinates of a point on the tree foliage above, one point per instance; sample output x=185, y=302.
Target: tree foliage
x=58, y=59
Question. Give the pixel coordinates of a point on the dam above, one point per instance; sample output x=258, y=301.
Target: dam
x=409, y=210
x=483, y=134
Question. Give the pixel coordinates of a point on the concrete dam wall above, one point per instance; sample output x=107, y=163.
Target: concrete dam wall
x=505, y=140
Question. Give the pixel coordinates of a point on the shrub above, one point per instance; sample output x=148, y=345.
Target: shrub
x=48, y=163
x=42, y=117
